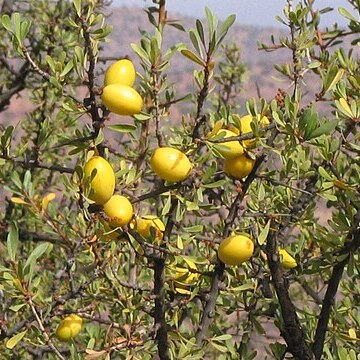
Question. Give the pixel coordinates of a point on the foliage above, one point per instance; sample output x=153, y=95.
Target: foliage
x=59, y=257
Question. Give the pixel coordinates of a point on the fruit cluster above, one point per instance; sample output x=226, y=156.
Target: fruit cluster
x=171, y=165
x=237, y=162
x=118, y=94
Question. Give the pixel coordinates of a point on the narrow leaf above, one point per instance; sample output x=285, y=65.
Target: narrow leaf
x=12, y=241
x=264, y=233
x=190, y=55
x=123, y=128
x=12, y=342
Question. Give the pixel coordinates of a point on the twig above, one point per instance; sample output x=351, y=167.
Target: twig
x=30, y=165
x=43, y=331
x=352, y=244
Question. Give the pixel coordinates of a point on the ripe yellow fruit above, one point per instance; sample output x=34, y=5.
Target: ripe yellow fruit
x=245, y=127
x=122, y=99
x=150, y=224
x=103, y=184
x=120, y=72
x=69, y=327
x=239, y=167
x=184, y=278
x=286, y=260
x=228, y=149
x=120, y=210
x=235, y=249
x=170, y=164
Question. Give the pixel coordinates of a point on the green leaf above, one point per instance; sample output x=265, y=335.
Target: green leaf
x=308, y=122
x=6, y=23
x=324, y=129
x=195, y=39
x=77, y=5
x=215, y=184
x=35, y=255
x=12, y=241
x=222, y=337
x=212, y=22
x=333, y=76
x=190, y=55
x=123, y=128
x=67, y=68
x=12, y=342
x=200, y=30
x=345, y=13
x=264, y=233
x=167, y=206
x=323, y=173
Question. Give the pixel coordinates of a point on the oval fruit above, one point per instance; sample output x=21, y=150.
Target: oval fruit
x=170, y=164
x=120, y=72
x=184, y=278
x=286, y=260
x=69, y=327
x=235, y=249
x=102, y=186
x=119, y=209
x=245, y=127
x=121, y=99
x=149, y=225
x=239, y=167
x=228, y=149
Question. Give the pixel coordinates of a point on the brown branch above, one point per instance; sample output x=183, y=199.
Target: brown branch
x=209, y=310
x=31, y=165
x=352, y=244
x=291, y=329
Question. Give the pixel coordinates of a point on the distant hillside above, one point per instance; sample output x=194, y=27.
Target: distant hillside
x=127, y=21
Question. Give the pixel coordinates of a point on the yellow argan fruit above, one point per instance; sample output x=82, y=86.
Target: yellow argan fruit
x=184, y=278
x=103, y=184
x=228, y=149
x=149, y=224
x=239, y=167
x=120, y=72
x=286, y=260
x=235, y=249
x=122, y=99
x=69, y=327
x=119, y=209
x=170, y=164
x=245, y=127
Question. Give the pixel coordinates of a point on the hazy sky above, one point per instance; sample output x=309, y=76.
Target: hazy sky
x=249, y=12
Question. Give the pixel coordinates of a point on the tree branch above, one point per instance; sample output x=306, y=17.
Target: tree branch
x=351, y=245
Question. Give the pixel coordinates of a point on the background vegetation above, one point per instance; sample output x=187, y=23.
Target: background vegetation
x=303, y=192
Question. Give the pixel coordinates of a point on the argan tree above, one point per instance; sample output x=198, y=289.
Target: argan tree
x=75, y=283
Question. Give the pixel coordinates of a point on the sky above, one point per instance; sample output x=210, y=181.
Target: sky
x=249, y=12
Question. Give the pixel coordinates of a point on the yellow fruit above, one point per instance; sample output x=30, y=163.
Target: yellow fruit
x=119, y=209
x=235, y=249
x=122, y=99
x=69, y=327
x=120, y=72
x=170, y=164
x=184, y=278
x=148, y=225
x=286, y=260
x=245, y=127
x=103, y=184
x=228, y=149
x=239, y=167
